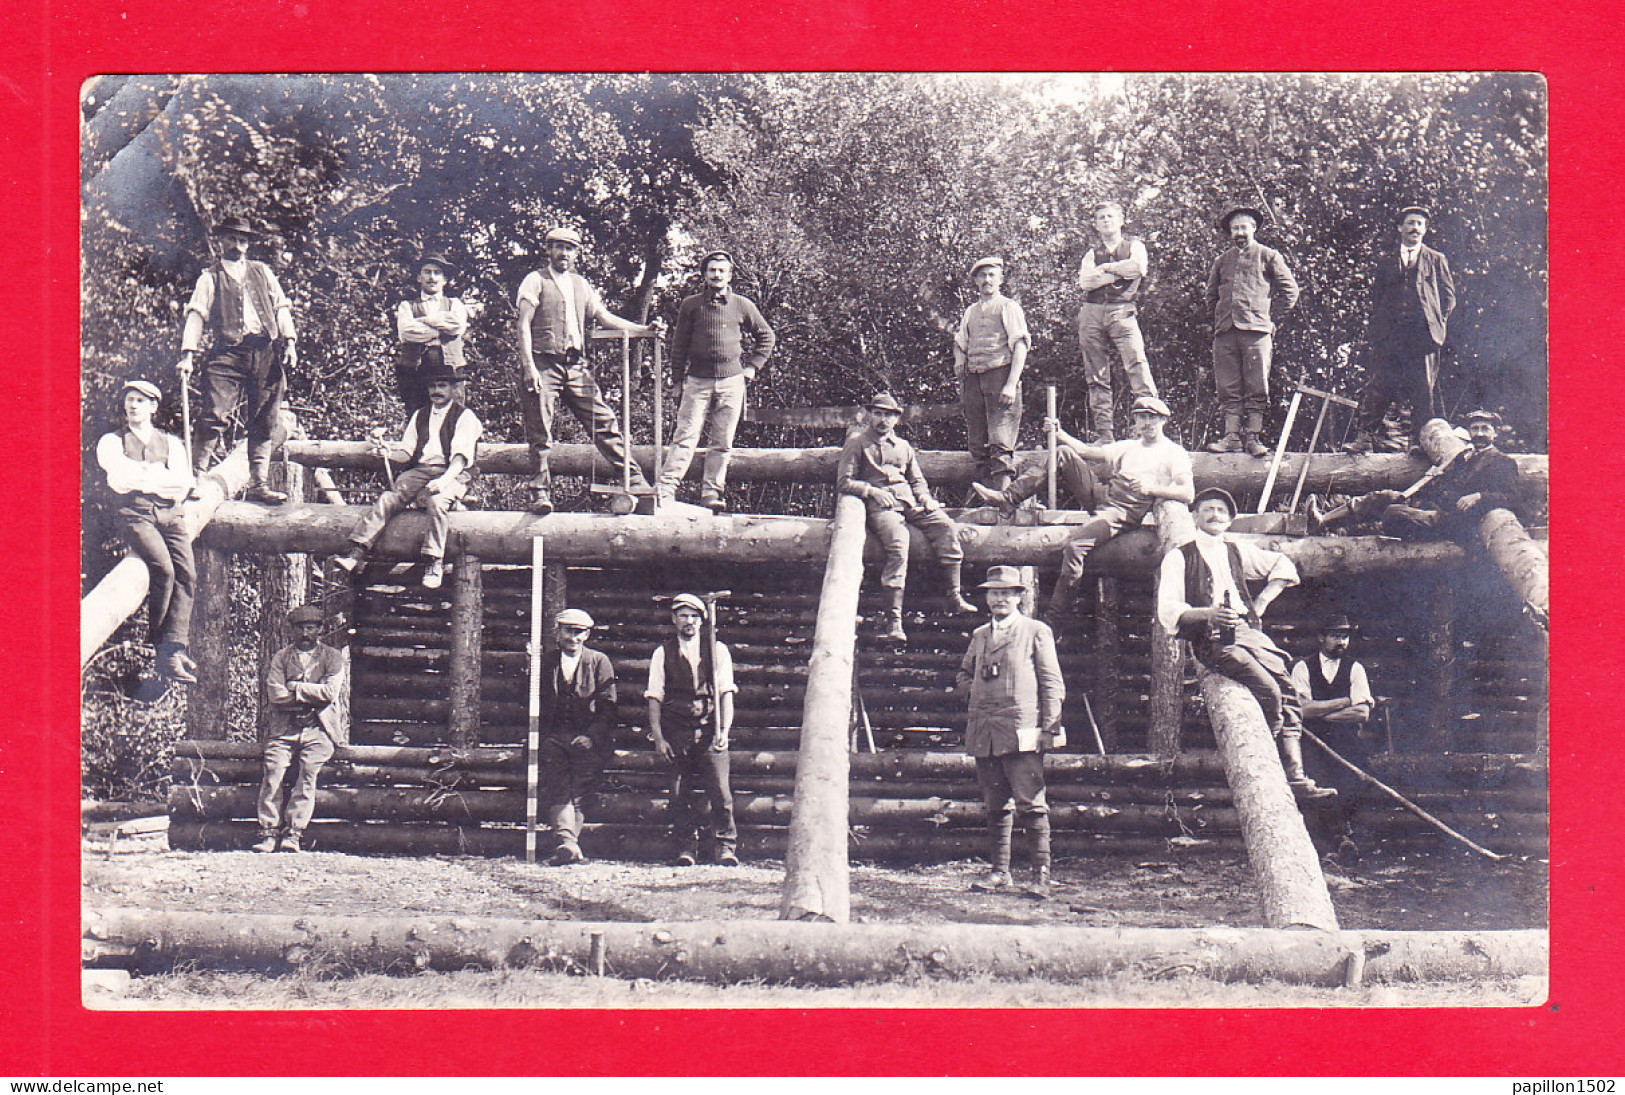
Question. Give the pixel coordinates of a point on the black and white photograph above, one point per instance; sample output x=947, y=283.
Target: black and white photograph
x=814, y=540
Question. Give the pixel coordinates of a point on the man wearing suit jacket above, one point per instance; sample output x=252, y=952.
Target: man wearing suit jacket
x=1016, y=691
x=305, y=685
x=1412, y=297
x=578, y=717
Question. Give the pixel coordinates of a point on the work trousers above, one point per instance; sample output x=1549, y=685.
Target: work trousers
x=1263, y=672
x=1107, y=332
x=1076, y=485
x=714, y=407
x=1404, y=369
x=157, y=533
x=284, y=805
x=571, y=765
x=1241, y=370
x=1013, y=783
x=248, y=374
x=890, y=528
x=1106, y=522
x=1409, y=522
x=701, y=793
x=572, y=382
x=990, y=427
x=407, y=493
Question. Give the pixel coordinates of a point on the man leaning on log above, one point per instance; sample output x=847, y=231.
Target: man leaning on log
x=879, y=467
x=1203, y=596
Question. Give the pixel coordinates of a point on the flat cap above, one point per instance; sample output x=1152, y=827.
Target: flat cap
x=884, y=401
x=687, y=600
x=1215, y=492
x=562, y=235
x=573, y=617
x=991, y=260
x=1417, y=209
x=725, y=256
x=1484, y=416
x=145, y=387
x=1153, y=405
x=306, y=614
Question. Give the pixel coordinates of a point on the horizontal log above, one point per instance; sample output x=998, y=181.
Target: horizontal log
x=1341, y=472
x=726, y=952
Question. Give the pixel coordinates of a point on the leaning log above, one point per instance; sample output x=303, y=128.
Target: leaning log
x=817, y=877
x=727, y=952
x=1340, y=472
x=599, y=539
x=1521, y=560
x=1292, y=889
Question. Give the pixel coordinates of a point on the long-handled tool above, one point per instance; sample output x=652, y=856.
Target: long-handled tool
x=1052, y=455
x=1088, y=709
x=389, y=469
x=533, y=734
x=710, y=640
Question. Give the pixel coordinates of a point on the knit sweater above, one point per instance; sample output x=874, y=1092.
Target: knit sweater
x=710, y=338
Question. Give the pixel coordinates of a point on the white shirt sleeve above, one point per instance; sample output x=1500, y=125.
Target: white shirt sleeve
x=1015, y=324
x=409, y=328
x=171, y=480
x=1261, y=564
x=1359, y=685
x=657, y=675
x=280, y=304
x=202, y=301
x=725, y=670
x=1300, y=681
x=1137, y=255
x=466, y=436
x=1171, y=591
x=530, y=289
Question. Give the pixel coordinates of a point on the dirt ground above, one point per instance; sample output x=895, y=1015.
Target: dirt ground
x=1189, y=887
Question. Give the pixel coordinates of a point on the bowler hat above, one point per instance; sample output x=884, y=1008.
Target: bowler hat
x=145, y=387
x=439, y=259
x=237, y=225
x=435, y=367
x=1417, y=209
x=1003, y=577
x=573, y=617
x=687, y=600
x=305, y=614
x=884, y=401
x=991, y=260
x=1153, y=405
x=562, y=235
x=1215, y=492
x=1235, y=211
x=1338, y=622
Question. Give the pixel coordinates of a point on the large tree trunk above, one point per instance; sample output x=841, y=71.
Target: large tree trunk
x=1174, y=527
x=466, y=645
x=208, y=700
x=727, y=952
x=284, y=580
x=1521, y=560
x=816, y=873
x=1292, y=889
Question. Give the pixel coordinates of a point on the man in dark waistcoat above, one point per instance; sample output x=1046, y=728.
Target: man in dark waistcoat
x=429, y=319
x=1241, y=288
x=255, y=347
x=578, y=700
x=1110, y=276
x=557, y=310
x=1412, y=296
x=307, y=687
x=1335, y=696
x=691, y=713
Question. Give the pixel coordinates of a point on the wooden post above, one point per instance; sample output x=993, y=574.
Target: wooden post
x=1108, y=659
x=208, y=700
x=467, y=619
x=284, y=584
x=1438, y=669
x=1292, y=889
x=817, y=880
x=1174, y=527
x=555, y=598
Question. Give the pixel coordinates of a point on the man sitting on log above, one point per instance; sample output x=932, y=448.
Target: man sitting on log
x=577, y=718
x=1143, y=470
x=151, y=474
x=1449, y=500
x=305, y=685
x=691, y=713
x=879, y=467
x=437, y=447
x=1016, y=692
x=1335, y=698
x=1203, y=596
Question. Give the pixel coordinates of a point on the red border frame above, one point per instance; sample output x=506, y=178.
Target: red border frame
x=53, y=48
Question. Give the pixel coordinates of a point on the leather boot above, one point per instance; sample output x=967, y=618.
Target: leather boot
x=999, y=499
x=957, y=605
x=1060, y=602
x=1292, y=760
x=1231, y=441
x=894, y=618
x=290, y=842
x=173, y=663
x=258, y=485
x=1249, y=436
x=266, y=842
x=1363, y=443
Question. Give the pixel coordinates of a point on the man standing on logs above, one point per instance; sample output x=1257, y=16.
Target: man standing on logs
x=1239, y=292
x=1143, y=471
x=437, y=449
x=1450, y=500
x=151, y=474
x=879, y=467
x=691, y=713
x=577, y=718
x=1110, y=278
x=1203, y=596
x=430, y=319
x=1016, y=691
x=305, y=684
x=557, y=309
x=1412, y=296
x=708, y=353
x=255, y=347
x=990, y=354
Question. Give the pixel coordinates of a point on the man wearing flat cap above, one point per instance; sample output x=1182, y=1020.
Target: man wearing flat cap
x=430, y=319
x=577, y=720
x=990, y=354
x=307, y=690
x=691, y=713
x=1140, y=472
x=1203, y=595
x=1013, y=680
x=1108, y=320
x=150, y=473
x=1412, y=296
x=255, y=346
x=721, y=340
x=1241, y=289
x=881, y=468
x=557, y=310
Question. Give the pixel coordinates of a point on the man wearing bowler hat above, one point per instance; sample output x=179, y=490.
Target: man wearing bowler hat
x=1412, y=296
x=1203, y=596
x=430, y=319
x=557, y=310
x=1015, y=690
x=305, y=684
x=879, y=467
x=720, y=341
x=990, y=355
x=255, y=347
x=1241, y=289
x=577, y=718
x=1335, y=696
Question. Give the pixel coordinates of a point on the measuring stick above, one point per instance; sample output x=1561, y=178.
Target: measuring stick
x=533, y=736
x=1054, y=455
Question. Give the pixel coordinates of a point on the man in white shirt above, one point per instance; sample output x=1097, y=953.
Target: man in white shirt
x=1108, y=322
x=1203, y=596
x=437, y=447
x=151, y=473
x=1144, y=470
x=429, y=319
x=691, y=713
x=990, y=355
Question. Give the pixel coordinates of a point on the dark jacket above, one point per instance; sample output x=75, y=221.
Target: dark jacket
x=1434, y=288
x=1240, y=284
x=585, y=705
x=871, y=465
x=1491, y=473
